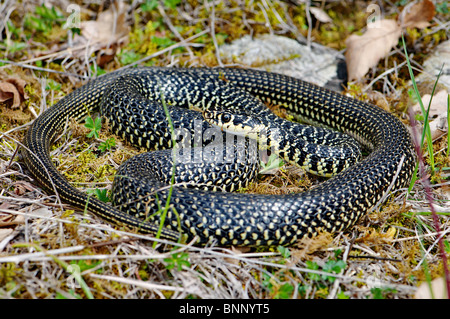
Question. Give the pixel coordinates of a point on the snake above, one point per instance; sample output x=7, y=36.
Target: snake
x=143, y=105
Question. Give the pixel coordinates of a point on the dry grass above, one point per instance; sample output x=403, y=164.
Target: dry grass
x=43, y=241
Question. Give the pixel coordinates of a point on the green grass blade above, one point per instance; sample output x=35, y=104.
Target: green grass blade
x=172, y=180
x=426, y=129
x=448, y=125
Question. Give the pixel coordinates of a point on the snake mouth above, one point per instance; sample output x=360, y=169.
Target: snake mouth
x=235, y=124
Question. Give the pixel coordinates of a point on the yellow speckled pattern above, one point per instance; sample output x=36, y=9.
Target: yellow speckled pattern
x=229, y=218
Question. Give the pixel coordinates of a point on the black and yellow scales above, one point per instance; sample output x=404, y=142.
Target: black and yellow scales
x=132, y=101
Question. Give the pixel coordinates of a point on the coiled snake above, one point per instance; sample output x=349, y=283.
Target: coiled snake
x=227, y=218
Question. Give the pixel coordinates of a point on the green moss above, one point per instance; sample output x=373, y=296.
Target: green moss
x=8, y=271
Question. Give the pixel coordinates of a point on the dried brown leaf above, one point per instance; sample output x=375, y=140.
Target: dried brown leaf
x=437, y=286
x=373, y=236
x=11, y=220
x=43, y=212
x=106, y=55
x=13, y=89
x=438, y=112
x=306, y=247
x=364, y=52
x=320, y=15
x=109, y=27
x=417, y=15
x=438, y=103
x=5, y=233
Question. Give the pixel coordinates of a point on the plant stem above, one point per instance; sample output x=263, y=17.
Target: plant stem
x=429, y=197
x=172, y=180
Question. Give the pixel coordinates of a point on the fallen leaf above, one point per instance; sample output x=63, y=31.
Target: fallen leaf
x=11, y=220
x=106, y=33
x=373, y=236
x=5, y=233
x=438, y=103
x=13, y=89
x=438, y=126
x=106, y=55
x=21, y=187
x=4, y=205
x=237, y=251
x=378, y=99
x=417, y=15
x=438, y=112
x=364, y=52
x=437, y=286
x=109, y=27
x=444, y=191
x=43, y=212
x=320, y=15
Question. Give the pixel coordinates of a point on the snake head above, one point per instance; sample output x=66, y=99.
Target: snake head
x=237, y=124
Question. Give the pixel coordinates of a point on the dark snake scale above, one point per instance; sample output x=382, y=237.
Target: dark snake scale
x=131, y=99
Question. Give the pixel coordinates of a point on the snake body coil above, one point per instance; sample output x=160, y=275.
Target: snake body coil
x=228, y=218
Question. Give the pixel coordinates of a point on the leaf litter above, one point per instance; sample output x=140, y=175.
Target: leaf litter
x=119, y=264
x=365, y=51
x=13, y=90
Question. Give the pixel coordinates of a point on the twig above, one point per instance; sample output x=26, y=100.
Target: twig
x=264, y=12
x=172, y=47
x=213, y=33
x=337, y=282
x=26, y=66
x=140, y=283
x=375, y=257
x=368, y=86
x=309, y=20
x=421, y=236
x=173, y=29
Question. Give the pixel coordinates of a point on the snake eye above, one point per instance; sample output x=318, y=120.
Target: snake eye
x=226, y=117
